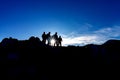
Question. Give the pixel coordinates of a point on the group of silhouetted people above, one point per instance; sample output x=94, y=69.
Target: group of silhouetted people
x=47, y=37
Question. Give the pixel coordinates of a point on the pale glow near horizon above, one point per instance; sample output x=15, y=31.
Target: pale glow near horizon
x=52, y=42
x=81, y=40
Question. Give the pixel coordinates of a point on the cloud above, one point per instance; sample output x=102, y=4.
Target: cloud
x=85, y=28
x=109, y=32
x=82, y=40
x=94, y=37
x=104, y=30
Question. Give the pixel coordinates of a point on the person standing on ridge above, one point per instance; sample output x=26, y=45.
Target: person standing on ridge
x=44, y=37
x=49, y=38
x=55, y=36
x=60, y=41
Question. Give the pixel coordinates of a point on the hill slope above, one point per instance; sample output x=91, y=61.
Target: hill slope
x=31, y=59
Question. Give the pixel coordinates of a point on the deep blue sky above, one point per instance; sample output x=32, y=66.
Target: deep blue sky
x=23, y=18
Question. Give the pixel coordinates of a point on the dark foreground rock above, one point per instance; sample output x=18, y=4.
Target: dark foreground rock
x=31, y=59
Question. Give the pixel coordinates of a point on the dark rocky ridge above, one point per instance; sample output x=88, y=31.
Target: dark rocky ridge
x=31, y=59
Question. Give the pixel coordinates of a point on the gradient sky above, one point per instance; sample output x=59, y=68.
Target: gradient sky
x=78, y=21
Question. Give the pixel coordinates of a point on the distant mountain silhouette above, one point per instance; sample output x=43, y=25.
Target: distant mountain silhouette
x=112, y=43
x=32, y=59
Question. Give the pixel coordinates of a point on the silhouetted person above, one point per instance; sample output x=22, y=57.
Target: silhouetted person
x=60, y=41
x=44, y=37
x=55, y=36
x=49, y=38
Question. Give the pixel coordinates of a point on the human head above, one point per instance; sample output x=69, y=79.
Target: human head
x=55, y=32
